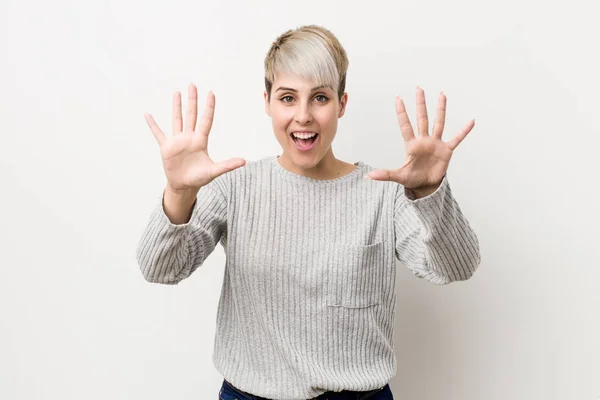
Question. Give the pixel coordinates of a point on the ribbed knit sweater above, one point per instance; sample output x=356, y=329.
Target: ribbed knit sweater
x=308, y=301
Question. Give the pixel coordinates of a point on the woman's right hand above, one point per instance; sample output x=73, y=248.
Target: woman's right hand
x=184, y=154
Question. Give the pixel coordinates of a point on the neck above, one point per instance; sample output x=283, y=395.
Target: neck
x=328, y=167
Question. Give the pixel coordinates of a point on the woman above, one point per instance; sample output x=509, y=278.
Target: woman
x=307, y=304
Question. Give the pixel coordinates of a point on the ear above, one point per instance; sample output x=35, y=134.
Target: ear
x=343, y=103
x=267, y=104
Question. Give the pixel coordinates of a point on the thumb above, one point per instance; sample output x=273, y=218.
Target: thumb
x=397, y=175
x=228, y=165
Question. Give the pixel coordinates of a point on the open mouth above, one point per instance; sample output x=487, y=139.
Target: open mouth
x=305, y=144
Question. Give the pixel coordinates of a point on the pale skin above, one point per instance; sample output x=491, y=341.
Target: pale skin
x=185, y=153
x=188, y=166
x=295, y=105
x=427, y=156
x=185, y=157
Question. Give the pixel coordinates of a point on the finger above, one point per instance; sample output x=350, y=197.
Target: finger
x=396, y=175
x=422, y=120
x=208, y=115
x=440, y=120
x=192, y=109
x=455, y=141
x=403, y=121
x=228, y=165
x=156, y=131
x=380, y=175
x=177, y=120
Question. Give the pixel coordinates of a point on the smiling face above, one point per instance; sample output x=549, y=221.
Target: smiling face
x=305, y=118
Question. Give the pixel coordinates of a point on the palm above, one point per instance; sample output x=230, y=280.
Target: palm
x=185, y=160
x=427, y=156
x=426, y=162
x=185, y=156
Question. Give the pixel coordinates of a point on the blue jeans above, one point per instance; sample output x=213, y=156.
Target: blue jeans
x=229, y=392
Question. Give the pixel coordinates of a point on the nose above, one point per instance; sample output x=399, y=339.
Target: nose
x=303, y=114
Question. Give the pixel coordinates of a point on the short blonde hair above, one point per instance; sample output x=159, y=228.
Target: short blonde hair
x=312, y=52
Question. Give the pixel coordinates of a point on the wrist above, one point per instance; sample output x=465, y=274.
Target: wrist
x=424, y=191
x=178, y=205
x=181, y=194
x=179, y=199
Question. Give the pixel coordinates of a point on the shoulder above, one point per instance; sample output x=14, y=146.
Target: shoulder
x=252, y=168
x=389, y=189
x=366, y=167
x=229, y=181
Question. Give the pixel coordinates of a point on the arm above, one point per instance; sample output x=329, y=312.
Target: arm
x=169, y=252
x=433, y=237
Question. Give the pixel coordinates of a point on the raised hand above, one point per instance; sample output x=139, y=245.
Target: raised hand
x=427, y=156
x=184, y=154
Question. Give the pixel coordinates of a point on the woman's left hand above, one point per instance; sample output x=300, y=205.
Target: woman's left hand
x=427, y=156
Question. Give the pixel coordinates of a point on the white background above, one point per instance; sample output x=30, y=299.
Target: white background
x=80, y=173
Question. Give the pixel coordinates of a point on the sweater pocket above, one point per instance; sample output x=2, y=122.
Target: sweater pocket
x=355, y=275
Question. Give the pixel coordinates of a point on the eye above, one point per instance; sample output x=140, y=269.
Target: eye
x=325, y=98
x=286, y=97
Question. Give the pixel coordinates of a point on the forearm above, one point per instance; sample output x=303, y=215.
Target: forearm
x=434, y=238
x=172, y=247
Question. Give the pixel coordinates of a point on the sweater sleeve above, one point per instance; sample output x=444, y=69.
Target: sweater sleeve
x=168, y=253
x=432, y=236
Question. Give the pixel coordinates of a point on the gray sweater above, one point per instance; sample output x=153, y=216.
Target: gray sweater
x=308, y=302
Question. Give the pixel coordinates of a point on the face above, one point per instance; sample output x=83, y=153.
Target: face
x=298, y=106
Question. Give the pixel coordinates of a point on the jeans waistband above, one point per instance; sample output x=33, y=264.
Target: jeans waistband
x=328, y=395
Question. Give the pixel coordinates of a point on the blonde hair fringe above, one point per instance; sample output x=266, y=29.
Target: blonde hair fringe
x=313, y=53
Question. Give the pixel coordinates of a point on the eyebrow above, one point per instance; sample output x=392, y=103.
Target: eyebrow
x=294, y=90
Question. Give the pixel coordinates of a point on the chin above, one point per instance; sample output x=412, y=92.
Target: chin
x=306, y=161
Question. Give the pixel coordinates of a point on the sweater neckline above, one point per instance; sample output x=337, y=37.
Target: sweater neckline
x=301, y=178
